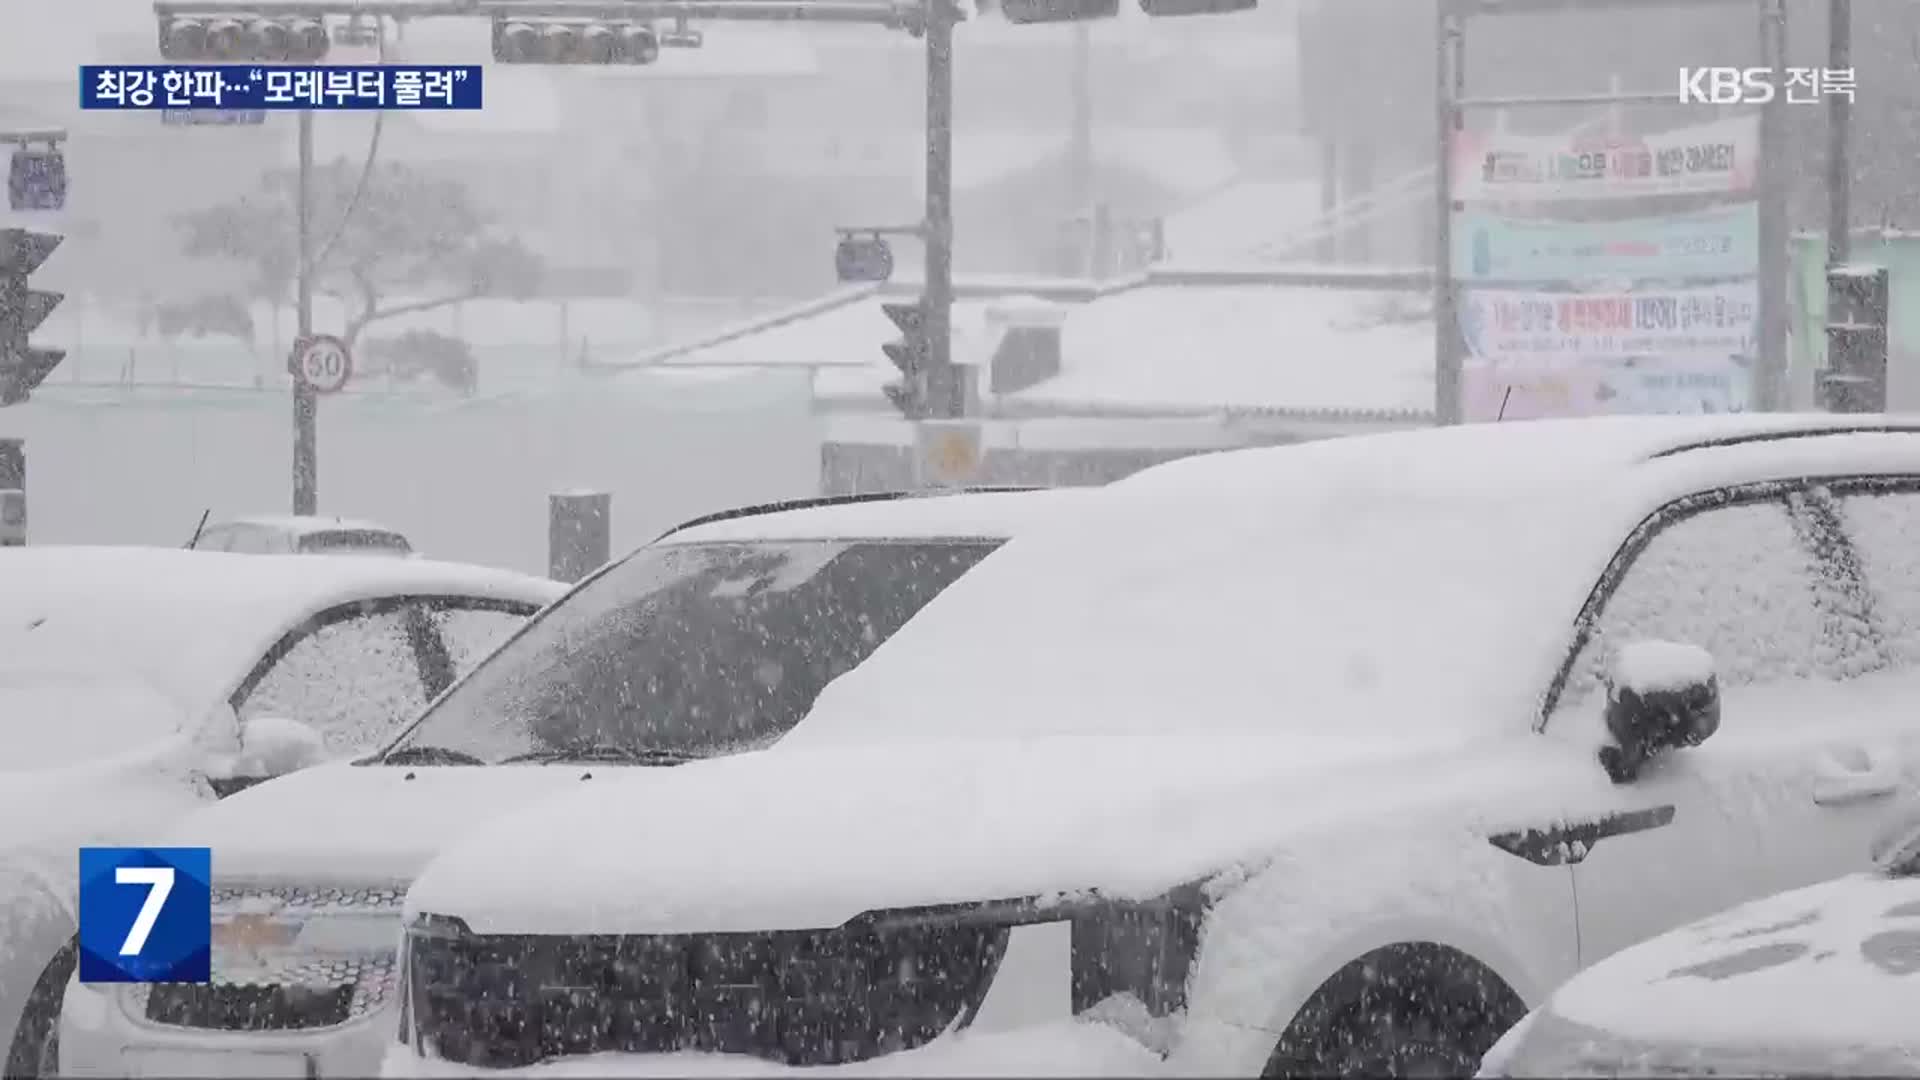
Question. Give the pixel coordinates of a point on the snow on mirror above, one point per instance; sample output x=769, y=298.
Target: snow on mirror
x=1661, y=695
x=273, y=746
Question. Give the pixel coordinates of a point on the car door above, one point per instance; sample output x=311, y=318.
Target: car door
x=1749, y=575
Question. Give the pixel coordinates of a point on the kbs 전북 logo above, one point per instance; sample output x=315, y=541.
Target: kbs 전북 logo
x=146, y=914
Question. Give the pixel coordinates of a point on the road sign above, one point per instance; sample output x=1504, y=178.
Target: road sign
x=949, y=452
x=863, y=258
x=37, y=179
x=213, y=117
x=323, y=363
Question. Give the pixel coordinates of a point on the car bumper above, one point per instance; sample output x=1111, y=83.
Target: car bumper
x=98, y=1037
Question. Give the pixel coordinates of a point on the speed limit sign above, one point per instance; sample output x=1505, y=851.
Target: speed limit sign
x=323, y=363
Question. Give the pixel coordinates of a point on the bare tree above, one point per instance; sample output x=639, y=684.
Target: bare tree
x=403, y=243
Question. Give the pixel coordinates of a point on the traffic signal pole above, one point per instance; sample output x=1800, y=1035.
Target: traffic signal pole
x=947, y=397
x=1839, y=57
x=306, y=464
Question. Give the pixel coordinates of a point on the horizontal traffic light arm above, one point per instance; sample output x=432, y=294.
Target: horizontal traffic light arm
x=34, y=137
x=893, y=13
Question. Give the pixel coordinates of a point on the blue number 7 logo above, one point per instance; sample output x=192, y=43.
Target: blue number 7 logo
x=146, y=914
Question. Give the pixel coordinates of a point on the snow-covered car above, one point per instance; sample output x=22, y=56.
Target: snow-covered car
x=289, y=535
x=138, y=683
x=712, y=640
x=1327, y=758
x=1814, y=982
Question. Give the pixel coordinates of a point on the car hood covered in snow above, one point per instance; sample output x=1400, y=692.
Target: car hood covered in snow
x=1818, y=981
x=356, y=825
x=808, y=839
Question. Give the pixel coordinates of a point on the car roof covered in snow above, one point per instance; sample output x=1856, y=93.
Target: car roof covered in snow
x=1426, y=579
x=193, y=623
x=304, y=526
x=960, y=515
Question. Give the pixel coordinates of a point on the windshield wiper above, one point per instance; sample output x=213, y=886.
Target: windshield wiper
x=426, y=755
x=622, y=755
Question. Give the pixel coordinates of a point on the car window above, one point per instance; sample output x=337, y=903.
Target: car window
x=354, y=679
x=700, y=649
x=1740, y=582
x=471, y=633
x=249, y=540
x=1884, y=526
x=216, y=539
x=354, y=542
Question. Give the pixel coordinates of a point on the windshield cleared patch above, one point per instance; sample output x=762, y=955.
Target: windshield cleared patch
x=1744, y=962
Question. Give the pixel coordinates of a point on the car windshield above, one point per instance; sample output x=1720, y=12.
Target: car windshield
x=687, y=650
x=354, y=542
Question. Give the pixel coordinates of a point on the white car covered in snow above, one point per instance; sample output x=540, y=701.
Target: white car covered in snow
x=1325, y=758
x=138, y=683
x=292, y=535
x=1819, y=981
x=711, y=641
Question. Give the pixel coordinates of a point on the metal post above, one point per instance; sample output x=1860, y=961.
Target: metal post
x=947, y=398
x=1771, y=392
x=1839, y=55
x=579, y=533
x=1448, y=82
x=306, y=466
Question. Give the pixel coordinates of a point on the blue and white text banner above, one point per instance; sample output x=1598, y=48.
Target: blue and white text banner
x=255, y=87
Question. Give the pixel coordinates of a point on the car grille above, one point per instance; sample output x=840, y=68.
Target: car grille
x=287, y=989
x=314, y=993
x=798, y=997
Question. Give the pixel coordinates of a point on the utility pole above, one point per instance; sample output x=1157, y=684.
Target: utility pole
x=306, y=465
x=1080, y=150
x=1449, y=82
x=1771, y=390
x=1839, y=177
x=948, y=397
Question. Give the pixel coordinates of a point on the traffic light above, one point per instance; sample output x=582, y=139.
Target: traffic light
x=1052, y=11
x=910, y=354
x=242, y=39
x=1855, y=380
x=573, y=41
x=1177, y=8
x=22, y=307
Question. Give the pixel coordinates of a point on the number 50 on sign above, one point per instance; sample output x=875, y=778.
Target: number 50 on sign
x=146, y=914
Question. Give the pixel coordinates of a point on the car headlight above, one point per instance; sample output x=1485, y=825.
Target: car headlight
x=286, y=959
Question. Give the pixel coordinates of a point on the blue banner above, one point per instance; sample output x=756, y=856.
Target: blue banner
x=270, y=87
x=1720, y=243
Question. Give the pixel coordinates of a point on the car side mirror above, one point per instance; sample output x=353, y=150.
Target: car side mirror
x=1661, y=695
x=270, y=746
